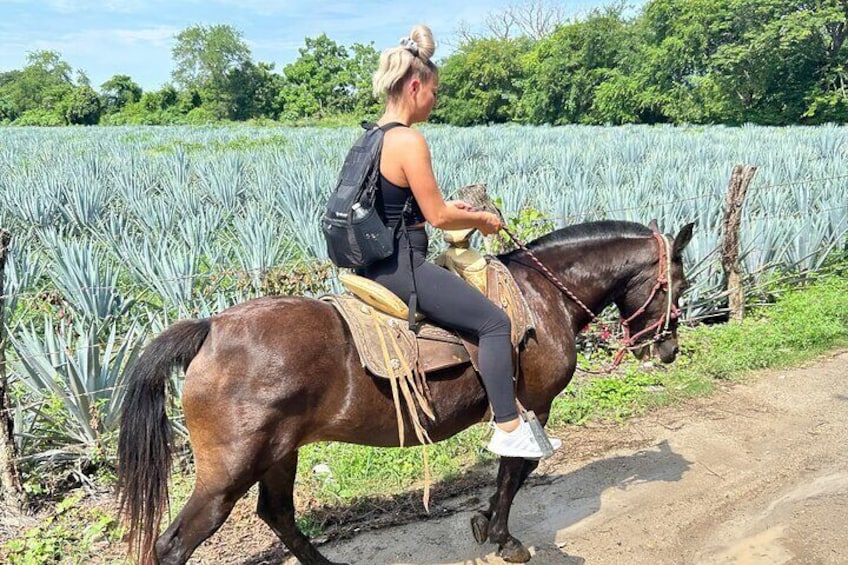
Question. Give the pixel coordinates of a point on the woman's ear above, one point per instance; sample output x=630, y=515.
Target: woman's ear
x=414, y=86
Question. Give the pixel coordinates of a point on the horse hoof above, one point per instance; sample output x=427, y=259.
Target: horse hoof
x=513, y=552
x=480, y=527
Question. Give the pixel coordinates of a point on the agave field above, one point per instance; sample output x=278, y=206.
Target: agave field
x=118, y=232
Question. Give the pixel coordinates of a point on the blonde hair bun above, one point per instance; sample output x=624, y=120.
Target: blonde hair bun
x=410, y=57
x=423, y=37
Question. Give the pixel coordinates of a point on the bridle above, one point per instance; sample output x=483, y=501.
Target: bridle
x=629, y=342
x=660, y=327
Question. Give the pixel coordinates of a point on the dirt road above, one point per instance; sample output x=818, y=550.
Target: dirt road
x=757, y=473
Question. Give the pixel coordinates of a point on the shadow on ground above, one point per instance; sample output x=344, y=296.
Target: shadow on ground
x=568, y=499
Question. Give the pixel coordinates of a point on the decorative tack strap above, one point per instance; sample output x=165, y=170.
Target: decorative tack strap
x=392, y=379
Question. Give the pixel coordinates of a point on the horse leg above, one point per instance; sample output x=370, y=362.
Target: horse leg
x=207, y=508
x=226, y=467
x=512, y=473
x=480, y=520
x=276, y=508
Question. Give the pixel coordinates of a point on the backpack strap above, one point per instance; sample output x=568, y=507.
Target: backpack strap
x=384, y=127
x=413, y=297
x=412, y=303
x=392, y=125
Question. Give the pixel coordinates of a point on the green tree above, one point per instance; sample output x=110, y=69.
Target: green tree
x=565, y=69
x=40, y=85
x=481, y=82
x=318, y=83
x=828, y=101
x=119, y=91
x=362, y=63
x=205, y=58
x=767, y=73
x=82, y=106
x=7, y=110
x=735, y=61
x=252, y=91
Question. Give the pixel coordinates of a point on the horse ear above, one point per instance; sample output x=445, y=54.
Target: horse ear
x=652, y=225
x=681, y=240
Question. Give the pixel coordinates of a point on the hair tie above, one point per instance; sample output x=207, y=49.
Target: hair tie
x=410, y=45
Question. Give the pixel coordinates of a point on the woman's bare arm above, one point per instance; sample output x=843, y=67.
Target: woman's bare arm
x=409, y=149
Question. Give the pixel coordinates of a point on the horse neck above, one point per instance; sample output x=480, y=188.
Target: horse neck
x=595, y=271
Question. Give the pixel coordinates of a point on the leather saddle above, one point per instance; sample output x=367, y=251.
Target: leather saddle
x=377, y=320
x=368, y=306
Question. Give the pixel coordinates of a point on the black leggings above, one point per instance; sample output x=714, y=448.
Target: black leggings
x=449, y=301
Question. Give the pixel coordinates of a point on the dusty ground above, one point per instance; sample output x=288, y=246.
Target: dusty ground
x=756, y=473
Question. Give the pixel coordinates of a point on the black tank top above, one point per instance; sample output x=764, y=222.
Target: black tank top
x=391, y=197
x=394, y=197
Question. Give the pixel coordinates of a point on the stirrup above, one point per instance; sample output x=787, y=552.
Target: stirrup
x=539, y=434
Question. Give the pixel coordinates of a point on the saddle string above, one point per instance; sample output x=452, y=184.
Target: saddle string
x=394, y=380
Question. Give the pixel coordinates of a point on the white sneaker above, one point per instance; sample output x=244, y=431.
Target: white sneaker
x=517, y=443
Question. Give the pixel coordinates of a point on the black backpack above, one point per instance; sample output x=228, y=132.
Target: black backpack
x=355, y=233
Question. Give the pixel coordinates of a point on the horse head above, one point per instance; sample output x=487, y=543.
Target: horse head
x=649, y=304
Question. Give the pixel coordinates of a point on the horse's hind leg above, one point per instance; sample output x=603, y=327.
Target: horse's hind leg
x=208, y=508
x=276, y=508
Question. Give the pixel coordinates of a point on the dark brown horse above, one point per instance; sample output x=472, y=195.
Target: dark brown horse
x=273, y=374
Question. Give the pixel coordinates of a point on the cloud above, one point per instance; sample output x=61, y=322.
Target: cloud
x=158, y=36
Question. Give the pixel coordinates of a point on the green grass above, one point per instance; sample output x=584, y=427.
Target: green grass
x=356, y=471
x=74, y=533
x=799, y=326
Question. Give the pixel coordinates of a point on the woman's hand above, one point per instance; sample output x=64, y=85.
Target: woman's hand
x=490, y=224
x=459, y=204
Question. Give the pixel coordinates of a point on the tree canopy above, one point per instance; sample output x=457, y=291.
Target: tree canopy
x=676, y=61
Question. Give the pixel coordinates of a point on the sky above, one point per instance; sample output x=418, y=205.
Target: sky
x=134, y=37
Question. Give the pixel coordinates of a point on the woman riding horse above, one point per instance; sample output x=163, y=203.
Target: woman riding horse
x=268, y=376
x=409, y=81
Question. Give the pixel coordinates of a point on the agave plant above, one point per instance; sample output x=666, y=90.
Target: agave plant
x=22, y=271
x=261, y=243
x=87, y=281
x=223, y=180
x=175, y=214
x=72, y=363
x=166, y=267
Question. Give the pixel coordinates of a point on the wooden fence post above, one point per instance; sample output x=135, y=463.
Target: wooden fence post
x=10, y=477
x=733, y=203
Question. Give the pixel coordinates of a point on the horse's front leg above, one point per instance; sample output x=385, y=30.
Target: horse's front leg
x=494, y=522
x=480, y=521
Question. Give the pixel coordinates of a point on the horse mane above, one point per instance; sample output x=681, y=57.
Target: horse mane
x=590, y=231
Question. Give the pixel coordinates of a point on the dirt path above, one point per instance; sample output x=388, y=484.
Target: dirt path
x=753, y=474
x=756, y=473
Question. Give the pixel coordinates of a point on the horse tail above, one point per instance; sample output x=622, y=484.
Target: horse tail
x=144, y=443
